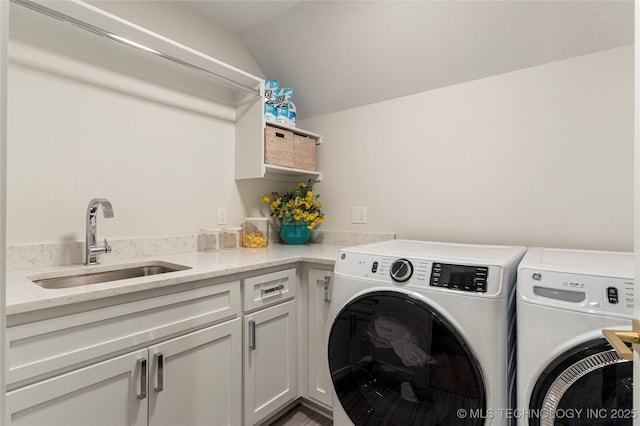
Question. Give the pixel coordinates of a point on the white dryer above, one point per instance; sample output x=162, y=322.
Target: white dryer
x=420, y=334
x=567, y=372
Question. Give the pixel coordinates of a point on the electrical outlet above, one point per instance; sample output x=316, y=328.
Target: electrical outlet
x=222, y=215
x=358, y=215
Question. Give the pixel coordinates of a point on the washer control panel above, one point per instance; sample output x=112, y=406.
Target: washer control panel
x=447, y=275
x=416, y=273
x=459, y=277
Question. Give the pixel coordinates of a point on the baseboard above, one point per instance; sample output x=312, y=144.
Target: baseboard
x=292, y=406
x=316, y=407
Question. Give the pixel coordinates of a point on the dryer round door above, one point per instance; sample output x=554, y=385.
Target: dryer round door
x=394, y=360
x=588, y=384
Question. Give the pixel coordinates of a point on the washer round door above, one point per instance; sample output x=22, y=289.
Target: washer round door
x=395, y=361
x=589, y=384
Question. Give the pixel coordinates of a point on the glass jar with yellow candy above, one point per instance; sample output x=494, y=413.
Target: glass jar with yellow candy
x=255, y=232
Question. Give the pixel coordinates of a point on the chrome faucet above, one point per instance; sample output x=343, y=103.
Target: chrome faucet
x=92, y=250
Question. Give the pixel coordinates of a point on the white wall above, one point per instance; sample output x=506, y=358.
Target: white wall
x=541, y=156
x=76, y=132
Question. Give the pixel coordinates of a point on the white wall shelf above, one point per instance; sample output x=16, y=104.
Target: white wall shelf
x=250, y=162
x=289, y=174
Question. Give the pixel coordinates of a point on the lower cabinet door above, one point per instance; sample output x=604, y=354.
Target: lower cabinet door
x=196, y=379
x=320, y=385
x=269, y=361
x=192, y=380
x=109, y=393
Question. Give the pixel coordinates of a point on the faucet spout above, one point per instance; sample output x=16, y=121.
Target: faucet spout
x=92, y=250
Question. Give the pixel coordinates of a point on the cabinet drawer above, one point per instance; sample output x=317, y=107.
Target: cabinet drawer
x=269, y=289
x=40, y=347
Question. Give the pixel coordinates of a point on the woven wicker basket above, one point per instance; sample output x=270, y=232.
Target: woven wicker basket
x=278, y=147
x=304, y=152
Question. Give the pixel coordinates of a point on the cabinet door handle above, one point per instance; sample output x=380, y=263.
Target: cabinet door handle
x=142, y=365
x=159, y=360
x=327, y=288
x=252, y=335
x=271, y=291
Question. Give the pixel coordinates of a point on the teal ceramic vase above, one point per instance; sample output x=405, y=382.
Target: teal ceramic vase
x=294, y=231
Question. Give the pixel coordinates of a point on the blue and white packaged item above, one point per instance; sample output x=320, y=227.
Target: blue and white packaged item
x=270, y=87
x=283, y=97
x=282, y=113
x=291, y=113
x=282, y=94
x=270, y=111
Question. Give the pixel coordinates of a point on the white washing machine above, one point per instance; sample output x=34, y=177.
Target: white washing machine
x=567, y=372
x=420, y=334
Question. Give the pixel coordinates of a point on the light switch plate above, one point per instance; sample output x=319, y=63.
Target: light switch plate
x=222, y=215
x=358, y=215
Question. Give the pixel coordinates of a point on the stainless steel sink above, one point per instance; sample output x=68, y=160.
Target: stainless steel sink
x=122, y=273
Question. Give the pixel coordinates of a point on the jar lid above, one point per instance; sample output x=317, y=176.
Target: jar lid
x=232, y=229
x=209, y=230
x=256, y=218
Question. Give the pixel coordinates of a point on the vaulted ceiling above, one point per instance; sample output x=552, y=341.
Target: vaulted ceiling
x=343, y=54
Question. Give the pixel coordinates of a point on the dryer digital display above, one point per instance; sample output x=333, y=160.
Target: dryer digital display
x=459, y=277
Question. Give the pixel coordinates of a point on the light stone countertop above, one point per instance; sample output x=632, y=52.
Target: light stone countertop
x=23, y=295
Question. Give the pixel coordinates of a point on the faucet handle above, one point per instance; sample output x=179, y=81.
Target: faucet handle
x=107, y=247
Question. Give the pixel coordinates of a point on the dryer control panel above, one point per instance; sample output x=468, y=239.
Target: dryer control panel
x=588, y=293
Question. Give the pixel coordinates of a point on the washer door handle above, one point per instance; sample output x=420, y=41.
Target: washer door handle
x=619, y=338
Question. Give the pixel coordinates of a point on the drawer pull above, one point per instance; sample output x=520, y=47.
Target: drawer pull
x=160, y=371
x=327, y=288
x=142, y=365
x=271, y=291
x=252, y=335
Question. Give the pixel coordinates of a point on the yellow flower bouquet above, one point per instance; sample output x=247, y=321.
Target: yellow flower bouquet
x=299, y=203
x=299, y=210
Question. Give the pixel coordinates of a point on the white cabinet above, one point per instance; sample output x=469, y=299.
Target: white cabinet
x=154, y=386
x=197, y=379
x=270, y=344
x=40, y=348
x=110, y=365
x=217, y=353
x=320, y=386
x=103, y=394
x=250, y=154
x=270, y=361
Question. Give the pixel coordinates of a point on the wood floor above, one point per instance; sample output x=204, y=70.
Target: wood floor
x=302, y=416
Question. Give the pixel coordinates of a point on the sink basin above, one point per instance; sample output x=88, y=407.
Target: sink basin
x=122, y=273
